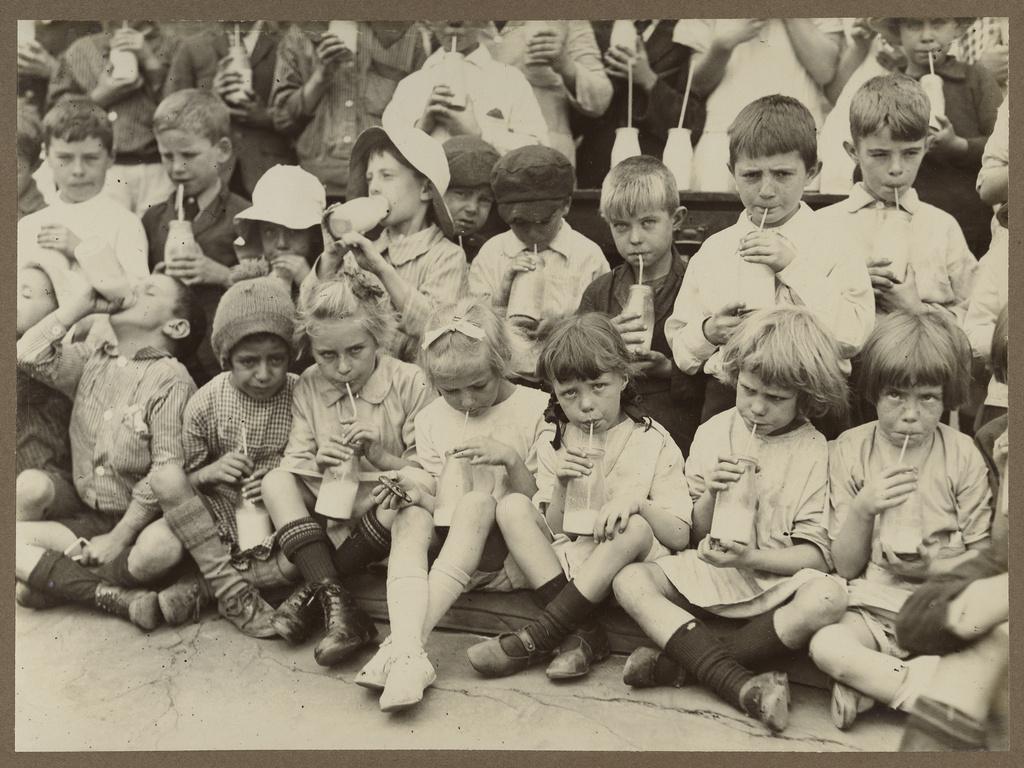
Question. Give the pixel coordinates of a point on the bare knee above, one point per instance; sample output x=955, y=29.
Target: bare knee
x=34, y=492
x=156, y=551
x=514, y=511
x=412, y=523
x=475, y=509
x=170, y=486
x=822, y=602
x=276, y=482
x=638, y=535
x=631, y=582
x=826, y=646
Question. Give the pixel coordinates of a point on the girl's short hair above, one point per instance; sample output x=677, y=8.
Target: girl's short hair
x=916, y=350
x=352, y=295
x=789, y=347
x=1000, y=346
x=454, y=353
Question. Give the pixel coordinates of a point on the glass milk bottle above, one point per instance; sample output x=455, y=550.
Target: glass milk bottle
x=585, y=496
x=627, y=144
x=360, y=214
x=347, y=32
x=253, y=523
x=338, y=491
x=892, y=240
x=641, y=302
x=238, y=62
x=678, y=156
x=735, y=507
x=102, y=269
x=902, y=527
x=526, y=299
x=124, y=66
x=932, y=86
x=453, y=74
x=180, y=240
x=454, y=482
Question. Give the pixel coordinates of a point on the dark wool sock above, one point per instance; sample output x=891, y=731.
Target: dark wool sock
x=666, y=671
x=116, y=571
x=698, y=650
x=563, y=614
x=306, y=545
x=548, y=591
x=756, y=641
x=62, y=576
x=369, y=543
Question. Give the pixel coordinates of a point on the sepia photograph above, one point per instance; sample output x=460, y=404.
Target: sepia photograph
x=564, y=384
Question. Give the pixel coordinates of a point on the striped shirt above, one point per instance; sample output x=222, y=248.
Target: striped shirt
x=353, y=100
x=132, y=116
x=41, y=421
x=214, y=420
x=125, y=418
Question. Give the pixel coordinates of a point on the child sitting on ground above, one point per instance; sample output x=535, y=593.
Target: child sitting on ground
x=772, y=255
x=193, y=130
x=640, y=512
x=486, y=431
x=235, y=430
x=469, y=198
x=758, y=476
x=909, y=499
x=78, y=141
x=28, y=147
x=461, y=90
x=533, y=188
x=42, y=457
x=353, y=412
x=640, y=203
x=125, y=423
x=921, y=260
x=413, y=257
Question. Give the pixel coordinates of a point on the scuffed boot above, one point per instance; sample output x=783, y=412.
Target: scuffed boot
x=249, y=612
x=184, y=600
x=139, y=606
x=766, y=697
x=347, y=626
x=297, y=617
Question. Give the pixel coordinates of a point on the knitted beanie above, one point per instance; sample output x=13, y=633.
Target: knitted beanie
x=261, y=305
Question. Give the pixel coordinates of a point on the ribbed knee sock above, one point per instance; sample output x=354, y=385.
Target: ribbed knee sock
x=756, y=641
x=563, y=614
x=548, y=591
x=407, y=605
x=62, y=576
x=445, y=585
x=305, y=544
x=368, y=543
x=699, y=651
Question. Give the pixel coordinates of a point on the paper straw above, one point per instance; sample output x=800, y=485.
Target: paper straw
x=686, y=95
x=454, y=41
x=590, y=445
x=179, y=202
x=238, y=36
x=763, y=217
x=640, y=278
x=896, y=195
x=460, y=242
x=351, y=399
x=629, y=96
x=245, y=439
x=750, y=440
x=906, y=439
x=931, y=63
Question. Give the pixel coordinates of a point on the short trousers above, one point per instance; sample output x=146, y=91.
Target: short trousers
x=65, y=498
x=87, y=523
x=883, y=631
x=509, y=579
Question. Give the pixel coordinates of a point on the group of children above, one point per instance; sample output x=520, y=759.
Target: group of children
x=476, y=440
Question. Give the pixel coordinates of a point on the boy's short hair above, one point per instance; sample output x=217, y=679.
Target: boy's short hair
x=916, y=350
x=641, y=183
x=188, y=307
x=30, y=134
x=893, y=101
x=76, y=118
x=1000, y=346
x=193, y=111
x=774, y=125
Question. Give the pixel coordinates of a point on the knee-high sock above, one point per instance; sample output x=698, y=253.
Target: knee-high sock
x=445, y=584
x=407, y=604
x=698, y=650
x=194, y=525
x=369, y=543
x=305, y=544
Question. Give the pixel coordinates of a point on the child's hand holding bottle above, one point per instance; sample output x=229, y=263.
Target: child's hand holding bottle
x=334, y=452
x=945, y=142
x=726, y=472
x=764, y=246
x=366, y=436
x=571, y=463
x=485, y=450
x=724, y=554
x=888, y=490
x=614, y=517
x=719, y=327
x=229, y=469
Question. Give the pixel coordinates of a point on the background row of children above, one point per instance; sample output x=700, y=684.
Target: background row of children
x=561, y=82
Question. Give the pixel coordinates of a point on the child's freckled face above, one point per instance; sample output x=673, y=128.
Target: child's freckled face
x=259, y=366
x=404, y=189
x=472, y=390
x=192, y=160
x=768, y=407
x=79, y=168
x=775, y=183
x=596, y=402
x=345, y=352
x=35, y=298
x=888, y=164
x=646, y=234
x=913, y=412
